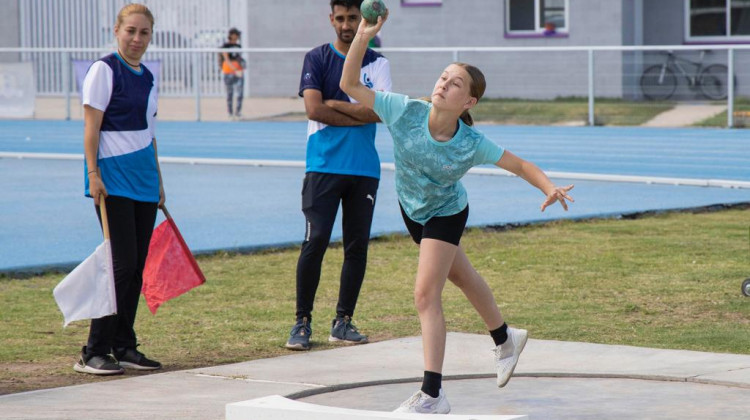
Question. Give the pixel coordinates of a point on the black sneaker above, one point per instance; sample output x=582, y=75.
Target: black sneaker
x=98, y=365
x=133, y=359
x=299, y=337
x=343, y=330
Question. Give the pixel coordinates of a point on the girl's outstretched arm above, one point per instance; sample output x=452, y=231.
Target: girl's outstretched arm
x=350, y=83
x=536, y=177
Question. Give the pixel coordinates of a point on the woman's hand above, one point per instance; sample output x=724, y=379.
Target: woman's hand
x=559, y=194
x=96, y=187
x=162, y=196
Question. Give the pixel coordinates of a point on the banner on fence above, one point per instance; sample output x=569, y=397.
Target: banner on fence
x=17, y=90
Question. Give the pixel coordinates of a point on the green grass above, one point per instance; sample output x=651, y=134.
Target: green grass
x=566, y=110
x=665, y=281
x=569, y=110
x=741, y=118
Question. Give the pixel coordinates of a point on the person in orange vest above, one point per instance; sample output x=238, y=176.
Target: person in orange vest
x=232, y=67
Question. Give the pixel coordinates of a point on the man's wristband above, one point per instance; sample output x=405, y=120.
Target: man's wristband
x=90, y=172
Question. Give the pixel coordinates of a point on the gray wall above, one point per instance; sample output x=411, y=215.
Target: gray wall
x=632, y=34
x=510, y=75
x=664, y=24
x=455, y=23
x=10, y=31
x=305, y=23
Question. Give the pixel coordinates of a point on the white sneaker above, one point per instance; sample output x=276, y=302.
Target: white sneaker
x=425, y=404
x=506, y=355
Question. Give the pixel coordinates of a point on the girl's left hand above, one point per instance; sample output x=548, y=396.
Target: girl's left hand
x=559, y=194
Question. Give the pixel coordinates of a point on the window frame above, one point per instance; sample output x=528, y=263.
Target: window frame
x=421, y=3
x=728, y=38
x=538, y=31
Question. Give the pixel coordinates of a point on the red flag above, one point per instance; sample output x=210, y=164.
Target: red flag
x=171, y=269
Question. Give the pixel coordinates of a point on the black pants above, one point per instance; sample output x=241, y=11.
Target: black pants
x=321, y=195
x=130, y=226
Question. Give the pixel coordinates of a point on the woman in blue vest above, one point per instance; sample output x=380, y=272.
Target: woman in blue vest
x=435, y=144
x=119, y=110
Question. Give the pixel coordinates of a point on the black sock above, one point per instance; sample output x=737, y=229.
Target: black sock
x=431, y=383
x=500, y=335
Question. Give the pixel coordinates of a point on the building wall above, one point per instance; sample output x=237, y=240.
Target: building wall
x=664, y=24
x=10, y=31
x=459, y=23
x=632, y=34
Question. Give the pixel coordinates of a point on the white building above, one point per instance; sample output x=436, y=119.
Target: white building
x=412, y=23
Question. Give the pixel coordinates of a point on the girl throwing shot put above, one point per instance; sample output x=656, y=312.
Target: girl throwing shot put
x=434, y=146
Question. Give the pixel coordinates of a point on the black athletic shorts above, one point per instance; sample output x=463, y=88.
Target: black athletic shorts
x=447, y=229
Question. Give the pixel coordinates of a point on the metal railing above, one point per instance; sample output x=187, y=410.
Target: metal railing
x=539, y=72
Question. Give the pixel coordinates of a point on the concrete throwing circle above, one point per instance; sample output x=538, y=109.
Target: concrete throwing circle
x=561, y=398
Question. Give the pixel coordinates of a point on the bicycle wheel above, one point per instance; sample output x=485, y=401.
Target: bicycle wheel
x=713, y=81
x=657, y=85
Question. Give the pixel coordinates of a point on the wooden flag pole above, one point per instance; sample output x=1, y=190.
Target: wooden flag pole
x=103, y=211
x=166, y=213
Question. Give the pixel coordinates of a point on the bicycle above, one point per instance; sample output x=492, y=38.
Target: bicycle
x=659, y=81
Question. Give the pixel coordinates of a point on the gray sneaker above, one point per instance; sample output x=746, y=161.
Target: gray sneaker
x=342, y=330
x=98, y=365
x=299, y=337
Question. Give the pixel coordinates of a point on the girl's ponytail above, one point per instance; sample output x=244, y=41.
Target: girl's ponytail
x=477, y=86
x=467, y=118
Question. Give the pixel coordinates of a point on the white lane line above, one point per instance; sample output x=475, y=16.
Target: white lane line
x=695, y=182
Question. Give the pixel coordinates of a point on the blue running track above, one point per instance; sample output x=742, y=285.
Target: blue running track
x=45, y=221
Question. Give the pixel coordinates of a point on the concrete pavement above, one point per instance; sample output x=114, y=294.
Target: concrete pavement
x=553, y=380
x=684, y=115
x=184, y=108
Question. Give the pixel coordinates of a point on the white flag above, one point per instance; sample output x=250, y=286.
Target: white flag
x=88, y=292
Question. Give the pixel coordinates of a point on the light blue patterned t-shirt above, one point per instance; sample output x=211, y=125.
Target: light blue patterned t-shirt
x=428, y=171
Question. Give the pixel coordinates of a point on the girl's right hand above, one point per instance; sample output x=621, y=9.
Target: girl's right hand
x=559, y=194
x=368, y=30
x=96, y=187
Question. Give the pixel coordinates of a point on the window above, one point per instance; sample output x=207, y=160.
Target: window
x=544, y=17
x=421, y=2
x=718, y=20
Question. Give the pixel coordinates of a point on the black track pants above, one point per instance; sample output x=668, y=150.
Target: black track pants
x=321, y=195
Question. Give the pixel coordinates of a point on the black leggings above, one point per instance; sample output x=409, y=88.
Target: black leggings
x=321, y=195
x=130, y=226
